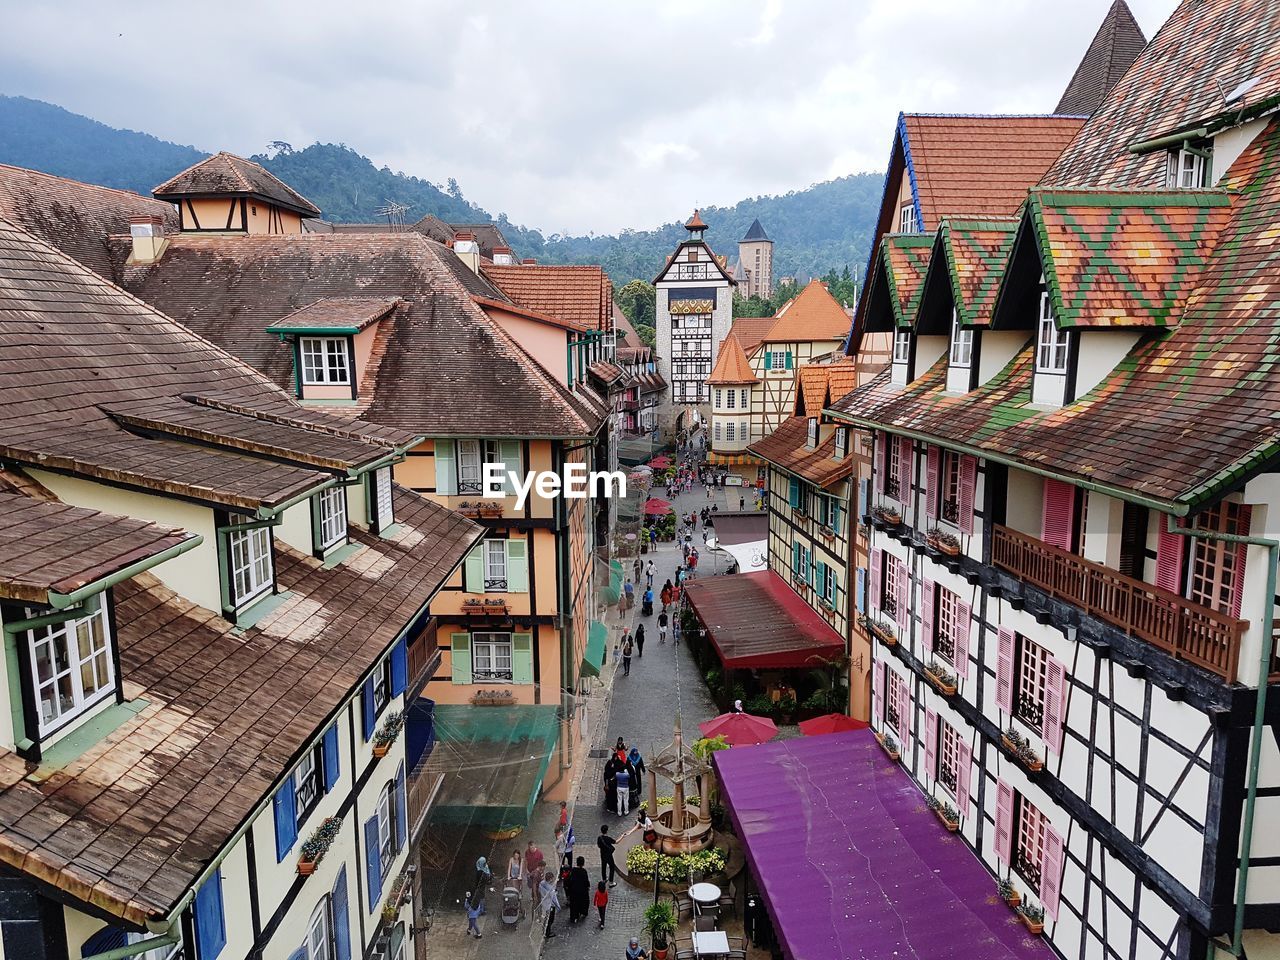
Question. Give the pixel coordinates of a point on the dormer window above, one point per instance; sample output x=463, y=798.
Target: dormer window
x=1187, y=168
x=902, y=345
x=331, y=518
x=812, y=437
x=326, y=361
x=1051, y=343
x=384, y=506
x=961, y=341
x=252, y=572
x=71, y=668
x=907, y=220
x=842, y=442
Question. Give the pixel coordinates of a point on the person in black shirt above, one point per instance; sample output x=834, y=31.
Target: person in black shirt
x=606, y=843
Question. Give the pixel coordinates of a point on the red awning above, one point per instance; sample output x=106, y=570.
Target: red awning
x=756, y=621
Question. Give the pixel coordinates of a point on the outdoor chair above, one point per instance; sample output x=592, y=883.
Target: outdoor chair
x=705, y=921
x=729, y=899
x=684, y=904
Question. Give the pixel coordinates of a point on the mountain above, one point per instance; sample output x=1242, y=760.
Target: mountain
x=824, y=226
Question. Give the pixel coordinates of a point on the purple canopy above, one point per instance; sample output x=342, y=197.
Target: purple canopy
x=853, y=864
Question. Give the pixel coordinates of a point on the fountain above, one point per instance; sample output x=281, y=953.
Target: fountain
x=681, y=827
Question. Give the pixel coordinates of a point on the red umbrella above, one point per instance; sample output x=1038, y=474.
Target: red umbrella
x=740, y=729
x=831, y=723
x=661, y=462
x=657, y=507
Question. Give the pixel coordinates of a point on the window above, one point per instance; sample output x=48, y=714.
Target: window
x=893, y=572
x=812, y=436
x=961, y=341
x=383, y=499
x=842, y=442
x=1216, y=565
x=325, y=360
x=495, y=566
x=1033, y=665
x=318, y=932
x=470, y=466
x=743, y=397
x=907, y=220
x=950, y=486
x=1051, y=343
x=730, y=429
x=944, y=644
x=333, y=516
x=71, y=667
x=491, y=657
x=719, y=397
x=778, y=360
x=307, y=787
x=717, y=430
x=386, y=830
x=827, y=588
x=381, y=686
x=897, y=703
x=733, y=394
x=949, y=744
x=251, y=570
x=901, y=344
x=1187, y=169
x=895, y=477
x=799, y=561
x=1028, y=842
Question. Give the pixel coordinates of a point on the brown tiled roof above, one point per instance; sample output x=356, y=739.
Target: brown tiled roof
x=823, y=383
x=751, y=331
x=786, y=448
x=132, y=823
x=49, y=547
x=1115, y=46
x=652, y=382
x=580, y=295
x=1204, y=51
x=626, y=333
x=440, y=366
x=488, y=235
x=632, y=354
x=338, y=314
x=903, y=262
x=695, y=222
x=75, y=217
x=813, y=314
x=226, y=175
x=608, y=372
x=732, y=365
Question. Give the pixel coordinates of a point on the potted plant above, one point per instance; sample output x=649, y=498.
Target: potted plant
x=888, y=744
x=941, y=678
x=316, y=845
x=1032, y=917
x=469, y=509
x=786, y=709
x=493, y=508
x=888, y=515
x=949, y=816
x=1008, y=892
x=1020, y=747
x=660, y=925
x=759, y=705
x=384, y=738
x=938, y=539
x=881, y=628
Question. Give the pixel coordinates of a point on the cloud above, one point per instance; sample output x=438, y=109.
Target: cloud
x=570, y=116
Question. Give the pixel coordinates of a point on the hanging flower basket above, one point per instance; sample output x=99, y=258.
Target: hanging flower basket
x=943, y=680
x=390, y=732
x=1020, y=747
x=317, y=845
x=888, y=745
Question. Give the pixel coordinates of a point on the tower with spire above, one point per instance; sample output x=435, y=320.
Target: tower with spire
x=755, y=259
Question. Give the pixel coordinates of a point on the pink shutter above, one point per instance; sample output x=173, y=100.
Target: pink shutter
x=926, y=617
x=1242, y=553
x=1004, y=822
x=882, y=460
x=968, y=484
x=961, y=638
x=1051, y=872
x=904, y=716
x=964, y=765
x=1055, y=704
x=931, y=485
x=1058, y=524
x=931, y=745
x=877, y=694
x=904, y=592
x=875, y=593
x=906, y=470
x=1004, y=671
x=1170, y=554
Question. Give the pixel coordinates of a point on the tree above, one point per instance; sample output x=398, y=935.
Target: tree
x=638, y=301
x=752, y=306
x=648, y=335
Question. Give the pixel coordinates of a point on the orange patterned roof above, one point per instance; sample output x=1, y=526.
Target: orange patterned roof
x=732, y=365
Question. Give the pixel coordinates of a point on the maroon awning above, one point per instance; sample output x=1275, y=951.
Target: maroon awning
x=756, y=621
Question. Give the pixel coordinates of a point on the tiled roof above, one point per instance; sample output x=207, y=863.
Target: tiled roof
x=75, y=217
x=337, y=314
x=732, y=365
x=903, y=259
x=580, y=295
x=975, y=253
x=226, y=175
x=49, y=547
x=439, y=367
x=1204, y=51
x=1188, y=411
x=755, y=232
x=607, y=372
x=1115, y=46
x=627, y=338
x=813, y=314
x=132, y=823
x=823, y=383
x=786, y=448
x=695, y=222
x=751, y=331
x=488, y=235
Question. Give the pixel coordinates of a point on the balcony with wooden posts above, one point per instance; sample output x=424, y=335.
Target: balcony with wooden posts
x=1182, y=628
x=424, y=658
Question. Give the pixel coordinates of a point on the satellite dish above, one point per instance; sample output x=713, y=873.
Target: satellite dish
x=1241, y=90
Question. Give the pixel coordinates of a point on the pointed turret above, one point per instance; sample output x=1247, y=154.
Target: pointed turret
x=1114, y=48
x=695, y=226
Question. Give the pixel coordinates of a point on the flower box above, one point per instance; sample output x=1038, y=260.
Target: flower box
x=484, y=606
x=942, y=681
x=943, y=814
x=888, y=745
x=888, y=515
x=317, y=845
x=882, y=629
x=827, y=606
x=828, y=533
x=1032, y=918
x=1009, y=893
x=1018, y=746
x=493, y=698
x=390, y=732
x=942, y=542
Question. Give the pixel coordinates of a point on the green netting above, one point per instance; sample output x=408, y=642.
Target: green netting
x=597, y=644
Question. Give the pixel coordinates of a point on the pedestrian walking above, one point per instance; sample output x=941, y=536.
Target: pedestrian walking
x=638, y=567
x=648, y=575
x=663, y=620
x=639, y=639
x=484, y=877
x=475, y=910
x=622, y=779
x=550, y=902
x=577, y=890
x=635, y=951
x=608, y=869
x=564, y=814
x=629, y=591
x=675, y=632
x=559, y=844
x=627, y=650
x=602, y=902
x=533, y=864
x=646, y=604
x=742, y=503
x=569, y=841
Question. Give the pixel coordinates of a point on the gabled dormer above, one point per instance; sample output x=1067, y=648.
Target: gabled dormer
x=229, y=194
x=332, y=342
x=893, y=298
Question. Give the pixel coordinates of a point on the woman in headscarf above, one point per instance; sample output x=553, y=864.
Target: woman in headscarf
x=637, y=781
x=484, y=876
x=610, y=774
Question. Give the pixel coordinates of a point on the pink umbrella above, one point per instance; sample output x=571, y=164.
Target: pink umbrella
x=657, y=507
x=660, y=462
x=831, y=723
x=740, y=729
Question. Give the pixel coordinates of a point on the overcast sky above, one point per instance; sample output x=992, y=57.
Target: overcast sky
x=572, y=115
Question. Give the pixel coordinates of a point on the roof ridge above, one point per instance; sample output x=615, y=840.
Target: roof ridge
x=131, y=194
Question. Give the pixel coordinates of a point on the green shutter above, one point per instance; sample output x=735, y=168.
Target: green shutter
x=793, y=493
x=446, y=470
x=517, y=566
x=460, y=658
x=510, y=453
x=521, y=658
x=795, y=557
x=473, y=570
x=789, y=360
x=813, y=569
x=768, y=360
x=837, y=521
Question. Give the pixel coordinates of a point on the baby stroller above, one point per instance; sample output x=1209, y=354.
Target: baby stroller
x=512, y=906
x=646, y=608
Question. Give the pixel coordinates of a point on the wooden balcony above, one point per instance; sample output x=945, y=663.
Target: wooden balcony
x=423, y=656
x=1176, y=625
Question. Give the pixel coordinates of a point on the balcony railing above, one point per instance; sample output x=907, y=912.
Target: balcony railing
x=422, y=654
x=1182, y=628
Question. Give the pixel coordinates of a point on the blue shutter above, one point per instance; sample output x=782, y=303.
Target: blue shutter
x=372, y=861
x=793, y=493
x=402, y=814
x=285, y=805
x=211, y=928
x=370, y=718
x=837, y=518
x=862, y=590
x=299, y=954
x=864, y=496
x=332, y=762
x=795, y=557
x=399, y=668
x=341, y=918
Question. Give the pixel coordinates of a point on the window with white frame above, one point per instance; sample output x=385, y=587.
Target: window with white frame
x=307, y=786
x=908, y=222
x=71, y=667
x=381, y=686
x=950, y=483
x=1051, y=343
x=1187, y=169
x=949, y=741
x=1028, y=842
x=325, y=361
x=332, y=504
x=383, y=499
x=897, y=477
x=961, y=341
x=495, y=566
x=470, y=466
x=778, y=360
x=318, y=942
x=799, y=561
x=811, y=437
x=897, y=702
x=1032, y=671
x=842, y=442
x=491, y=657
x=893, y=571
x=252, y=573
x=828, y=586
x=901, y=344
x=386, y=829
x=944, y=644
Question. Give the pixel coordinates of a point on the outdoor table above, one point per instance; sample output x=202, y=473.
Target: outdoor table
x=710, y=943
x=707, y=894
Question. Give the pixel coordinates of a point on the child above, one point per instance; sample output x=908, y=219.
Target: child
x=601, y=901
x=474, y=907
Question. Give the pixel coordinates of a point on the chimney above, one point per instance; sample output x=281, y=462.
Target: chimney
x=529, y=261
x=502, y=257
x=148, y=239
x=468, y=251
